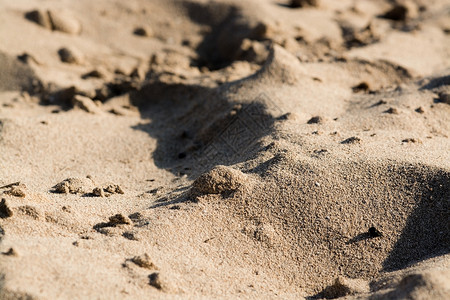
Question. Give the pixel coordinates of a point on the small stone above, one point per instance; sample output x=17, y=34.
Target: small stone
x=373, y=232
x=144, y=31
x=362, y=87
x=392, y=110
x=107, y=190
x=86, y=104
x=64, y=22
x=144, y=261
x=70, y=56
x=420, y=110
x=352, y=140
x=316, y=120
x=5, y=210
x=119, y=219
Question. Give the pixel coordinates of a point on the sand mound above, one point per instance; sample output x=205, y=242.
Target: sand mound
x=219, y=180
x=74, y=186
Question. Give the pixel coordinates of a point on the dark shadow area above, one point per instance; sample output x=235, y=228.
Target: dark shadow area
x=168, y=201
x=285, y=5
x=228, y=28
x=265, y=167
x=2, y=234
x=436, y=83
x=359, y=238
x=427, y=230
x=198, y=127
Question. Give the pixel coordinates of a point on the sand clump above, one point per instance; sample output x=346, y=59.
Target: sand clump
x=144, y=261
x=119, y=219
x=55, y=20
x=317, y=120
x=74, y=185
x=220, y=179
x=346, y=287
x=352, y=140
x=16, y=189
x=30, y=211
x=107, y=190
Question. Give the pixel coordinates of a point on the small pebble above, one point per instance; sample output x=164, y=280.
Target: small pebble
x=143, y=31
x=70, y=56
x=362, y=87
x=392, y=110
x=373, y=232
x=352, y=140
x=17, y=191
x=316, y=120
x=420, y=110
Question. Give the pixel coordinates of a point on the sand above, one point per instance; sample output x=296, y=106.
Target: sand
x=224, y=149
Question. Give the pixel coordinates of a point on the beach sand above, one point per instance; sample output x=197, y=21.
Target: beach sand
x=224, y=149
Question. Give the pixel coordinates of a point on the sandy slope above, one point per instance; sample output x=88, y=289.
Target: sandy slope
x=224, y=149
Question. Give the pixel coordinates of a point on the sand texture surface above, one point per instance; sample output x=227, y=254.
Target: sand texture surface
x=196, y=149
